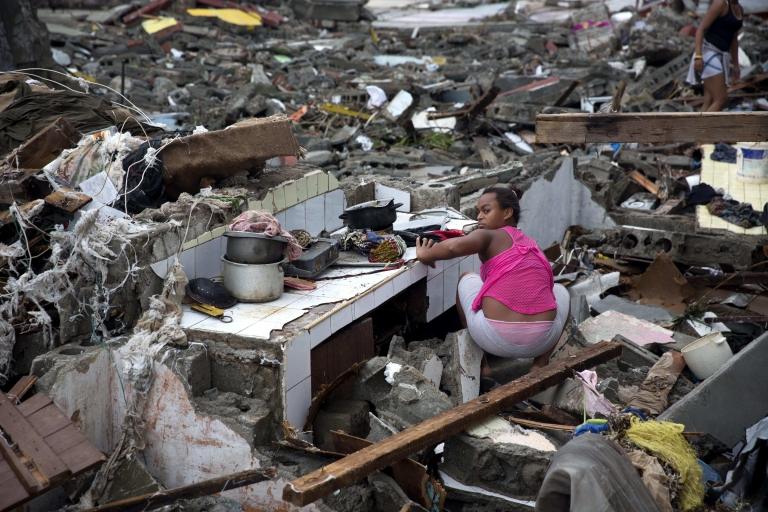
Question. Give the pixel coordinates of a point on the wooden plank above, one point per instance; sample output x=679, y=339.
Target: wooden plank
x=48, y=420
x=652, y=127
x=65, y=439
x=23, y=475
x=204, y=488
x=12, y=492
x=350, y=469
x=67, y=200
x=644, y=182
x=81, y=457
x=34, y=404
x=21, y=388
x=30, y=442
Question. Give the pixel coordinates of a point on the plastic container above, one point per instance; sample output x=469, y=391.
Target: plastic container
x=706, y=355
x=752, y=162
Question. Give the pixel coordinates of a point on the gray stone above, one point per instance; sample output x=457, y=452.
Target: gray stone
x=387, y=495
x=131, y=478
x=352, y=498
x=422, y=358
x=731, y=400
x=350, y=416
x=410, y=399
x=435, y=194
x=378, y=430
x=194, y=368
x=251, y=418
x=320, y=158
x=161, y=88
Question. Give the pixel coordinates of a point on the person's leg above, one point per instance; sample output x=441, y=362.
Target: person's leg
x=563, y=298
x=459, y=306
x=707, y=100
x=718, y=92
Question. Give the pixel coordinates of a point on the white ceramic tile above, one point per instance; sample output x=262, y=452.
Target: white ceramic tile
x=435, y=297
x=466, y=265
x=291, y=194
x=401, y=281
x=281, y=217
x=218, y=231
x=436, y=270
x=322, y=183
x=450, y=282
x=296, y=217
x=315, y=215
x=222, y=247
x=240, y=321
x=255, y=205
x=284, y=316
x=187, y=259
x=301, y=189
x=310, y=301
x=204, y=237
x=286, y=299
x=333, y=183
x=268, y=202
x=296, y=360
x=311, y=178
x=342, y=317
x=297, y=400
x=319, y=333
x=477, y=263
x=363, y=305
x=383, y=293
x=190, y=318
x=208, y=259
x=340, y=290
x=160, y=268
x=261, y=329
x=334, y=206
x=418, y=272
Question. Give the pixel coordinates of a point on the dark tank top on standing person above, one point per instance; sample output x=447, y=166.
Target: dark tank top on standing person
x=724, y=29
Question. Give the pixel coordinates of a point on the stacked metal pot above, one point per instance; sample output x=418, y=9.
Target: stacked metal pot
x=252, y=267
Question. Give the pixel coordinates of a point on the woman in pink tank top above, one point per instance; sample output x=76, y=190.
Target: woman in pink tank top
x=512, y=309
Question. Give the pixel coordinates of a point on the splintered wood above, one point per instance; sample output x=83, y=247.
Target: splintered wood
x=39, y=448
x=652, y=127
x=350, y=469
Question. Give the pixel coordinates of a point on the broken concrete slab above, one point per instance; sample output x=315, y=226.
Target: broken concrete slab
x=654, y=314
x=731, y=400
x=500, y=457
x=422, y=358
x=461, y=375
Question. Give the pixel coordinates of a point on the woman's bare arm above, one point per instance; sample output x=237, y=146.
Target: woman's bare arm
x=428, y=252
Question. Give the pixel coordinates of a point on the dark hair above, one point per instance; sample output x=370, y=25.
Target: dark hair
x=507, y=197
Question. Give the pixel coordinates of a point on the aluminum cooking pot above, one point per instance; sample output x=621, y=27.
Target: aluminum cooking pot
x=253, y=283
x=375, y=215
x=254, y=248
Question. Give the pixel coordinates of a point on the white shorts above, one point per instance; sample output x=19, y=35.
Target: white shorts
x=489, y=337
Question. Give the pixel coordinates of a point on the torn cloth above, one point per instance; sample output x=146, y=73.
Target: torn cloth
x=746, y=484
x=254, y=221
x=653, y=392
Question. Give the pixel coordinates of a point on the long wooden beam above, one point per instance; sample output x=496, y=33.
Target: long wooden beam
x=204, y=488
x=354, y=467
x=652, y=127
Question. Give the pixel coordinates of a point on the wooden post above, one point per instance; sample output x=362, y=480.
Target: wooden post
x=350, y=469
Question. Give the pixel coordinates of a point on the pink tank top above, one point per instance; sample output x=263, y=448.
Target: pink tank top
x=519, y=277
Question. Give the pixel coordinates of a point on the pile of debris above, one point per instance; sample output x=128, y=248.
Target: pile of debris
x=149, y=127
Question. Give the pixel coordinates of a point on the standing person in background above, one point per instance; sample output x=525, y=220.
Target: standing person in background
x=716, y=57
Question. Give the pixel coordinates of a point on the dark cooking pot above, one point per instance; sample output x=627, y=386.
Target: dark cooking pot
x=375, y=215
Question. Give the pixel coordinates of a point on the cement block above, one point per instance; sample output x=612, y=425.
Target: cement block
x=731, y=400
x=435, y=195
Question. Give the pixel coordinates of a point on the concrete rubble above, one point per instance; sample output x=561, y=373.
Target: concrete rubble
x=133, y=135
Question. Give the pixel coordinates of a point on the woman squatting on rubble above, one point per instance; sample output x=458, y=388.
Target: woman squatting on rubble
x=513, y=308
x=716, y=57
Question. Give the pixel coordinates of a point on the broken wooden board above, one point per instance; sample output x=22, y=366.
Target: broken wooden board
x=67, y=200
x=644, y=182
x=350, y=469
x=47, y=449
x=652, y=127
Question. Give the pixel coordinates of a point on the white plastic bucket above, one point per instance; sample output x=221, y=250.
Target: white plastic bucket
x=707, y=354
x=752, y=161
